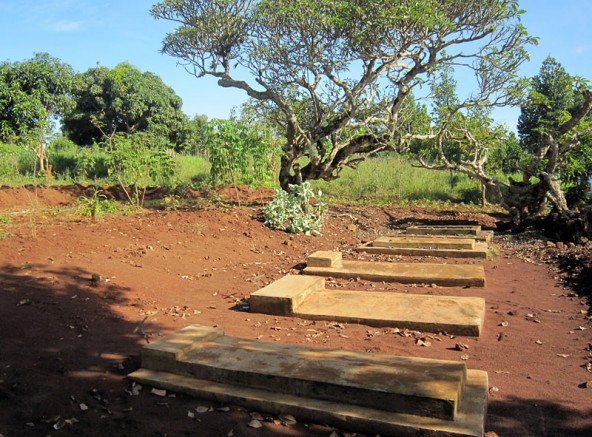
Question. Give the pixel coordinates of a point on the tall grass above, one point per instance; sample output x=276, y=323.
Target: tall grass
x=191, y=169
x=17, y=164
x=392, y=178
x=387, y=178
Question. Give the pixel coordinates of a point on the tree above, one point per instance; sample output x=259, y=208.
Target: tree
x=464, y=135
x=555, y=99
x=123, y=100
x=554, y=149
x=338, y=72
x=33, y=94
x=194, y=138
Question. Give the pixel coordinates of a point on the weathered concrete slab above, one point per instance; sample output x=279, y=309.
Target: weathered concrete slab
x=390, y=395
x=284, y=295
x=451, y=231
x=398, y=384
x=424, y=242
x=472, y=230
x=324, y=258
x=448, y=275
x=177, y=347
x=450, y=314
x=479, y=251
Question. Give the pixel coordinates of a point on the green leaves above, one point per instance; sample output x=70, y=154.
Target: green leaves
x=32, y=93
x=139, y=160
x=238, y=154
x=294, y=212
x=123, y=100
x=339, y=71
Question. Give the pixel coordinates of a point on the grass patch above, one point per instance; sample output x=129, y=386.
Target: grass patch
x=392, y=179
x=190, y=169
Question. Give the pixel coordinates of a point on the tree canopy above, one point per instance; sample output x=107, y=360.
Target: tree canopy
x=555, y=129
x=339, y=71
x=32, y=94
x=554, y=151
x=122, y=100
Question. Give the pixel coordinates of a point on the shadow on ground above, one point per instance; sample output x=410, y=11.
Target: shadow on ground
x=508, y=418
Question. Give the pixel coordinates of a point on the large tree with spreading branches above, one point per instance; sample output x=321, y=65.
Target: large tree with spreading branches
x=555, y=133
x=336, y=74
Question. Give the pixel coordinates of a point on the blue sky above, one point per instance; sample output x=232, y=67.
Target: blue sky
x=86, y=32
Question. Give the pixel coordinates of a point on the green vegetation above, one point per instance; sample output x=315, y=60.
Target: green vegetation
x=334, y=107
x=96, y=205
x=294, y=211
x=392, y=179
x=122, y=100
x=239, y=154
x=191, y=169
x=33, y=94
x=333, y=76
x=5, y=220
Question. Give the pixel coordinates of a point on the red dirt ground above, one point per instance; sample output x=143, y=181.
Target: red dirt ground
x=66, y=346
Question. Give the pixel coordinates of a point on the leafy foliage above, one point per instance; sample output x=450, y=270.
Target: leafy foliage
x=335, y=74
x=139, y=160
x=195, y=136
x=123, y=100
x=293, y=211
x=238, y=154
x=16, y=160
x=96, y=205
x=33, y=93
x=555, y=98
x=554, y=151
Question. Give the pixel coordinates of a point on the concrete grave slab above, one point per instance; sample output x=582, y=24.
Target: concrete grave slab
x=451, y=231
x=472, y=230
x=479, y=250
x=424, y=242
x=367, y=393
x=451, y=314
x=451, y=275
x=283, y=296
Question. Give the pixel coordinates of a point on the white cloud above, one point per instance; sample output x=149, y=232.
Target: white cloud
x=581, y=49
x=65, y=26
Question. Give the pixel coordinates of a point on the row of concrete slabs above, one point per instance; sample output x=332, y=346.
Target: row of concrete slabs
x=368, y=393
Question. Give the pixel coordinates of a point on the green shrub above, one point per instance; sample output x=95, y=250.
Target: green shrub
x=16, y=160
x=81, y=163
x=239, y=153
x=96, y=205
x=294, y=211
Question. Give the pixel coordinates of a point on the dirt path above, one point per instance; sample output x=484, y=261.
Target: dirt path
x=67, y=343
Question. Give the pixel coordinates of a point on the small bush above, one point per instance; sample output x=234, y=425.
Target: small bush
x=82, y=163
x=96, y=205
x=294, y=211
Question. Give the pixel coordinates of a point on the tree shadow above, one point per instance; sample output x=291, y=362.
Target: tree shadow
x=397, y=223
x=64, y=351
x=535, y=417
x=577, y=266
